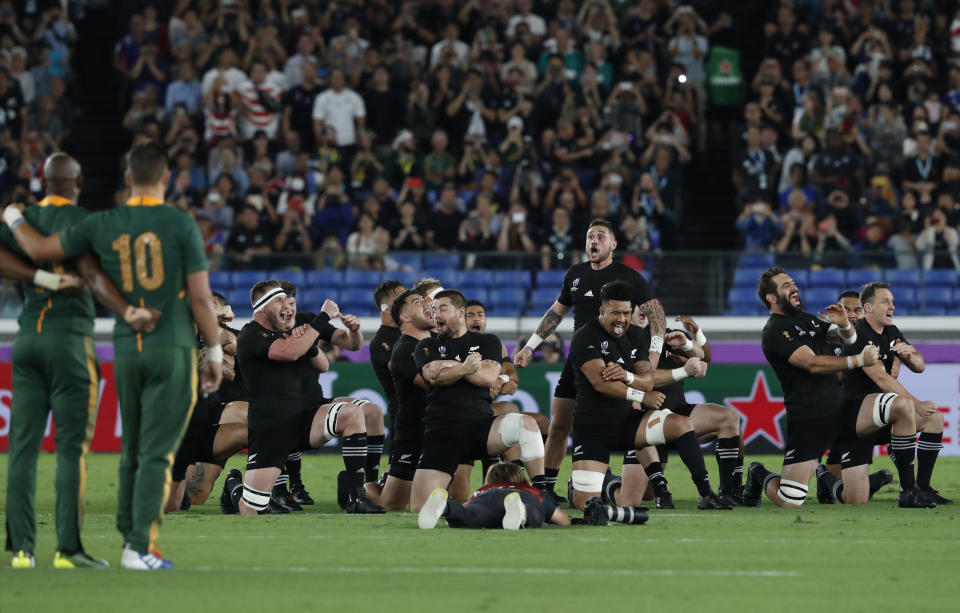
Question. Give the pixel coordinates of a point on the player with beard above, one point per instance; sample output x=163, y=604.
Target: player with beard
x=850, y=301
x=581, y=292
x=459, y=368
x=877, y=329
x=796, y=344
x=281, y=417
x=612, y=374
x=381, y=347
x=415, y=318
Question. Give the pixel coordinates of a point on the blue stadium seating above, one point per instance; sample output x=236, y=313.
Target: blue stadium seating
x=312, y=299
x=221, y=279
x=245, y=279
x=823, y=290
x=905, y=311
x=551, y=278
x=238, y=298
x=409, y=279
x=480, y=294
x=353, y=295
x=441, y=261
x=319, y=279
x=742, y=297
x=815, y=299
x=906, y=297
x=937, y=298
x=506, y=301
x=756, y=260
x=941, y=277
x=447, y=276
x=858, y=277
x=413, y=260
x=297, y=277
x=511, y=278
x=746, y=277
x=801, y=277
x=541, y=299
x=362, y=278
x=828, y=277
x=472, y=279
x=902, y=279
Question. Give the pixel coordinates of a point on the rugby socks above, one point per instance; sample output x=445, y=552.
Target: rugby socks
x=293, y=464
x=728, y=452
x=689, y=451
x=928, y=448
x=877, y=480
x=738, y=469
x=655, y=476
x=833, y=484
x=374, y=451
x=281, y=482
x=663, y=453
x=902, y=451
x=539, y=482
x=485, y=464
x=354, y=450
x=762, y=476
x=550, y=478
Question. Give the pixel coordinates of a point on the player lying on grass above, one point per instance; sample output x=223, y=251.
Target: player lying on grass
x=507, y=500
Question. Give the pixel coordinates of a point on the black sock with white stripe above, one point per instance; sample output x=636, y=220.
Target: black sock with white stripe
x=833, y=483
x=903, y=449
x=928, y=448
x=655, y=475
x=738, y=469
x=354, y=451
x=689, y=450
x=292, y=466
x=728, y=452
x=281, y=483
x=374, y=451
x=550, y=478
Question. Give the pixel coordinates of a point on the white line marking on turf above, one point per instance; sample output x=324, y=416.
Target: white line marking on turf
x=506, y=571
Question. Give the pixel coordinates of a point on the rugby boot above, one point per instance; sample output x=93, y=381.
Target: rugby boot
x=281, y=497
x=665, y=501
x=514, y=512
x=432, y=509
x=595, y=512
x=300, y=494
x=23, y=559
x=753, y=490
x=549, y=492
x=185, y=502
x=143, y=561
x=712, y=502
x=916, y=498
x=940, y=500
x=611, y=483
x=359, y=504
x=78, y=559
x=234, y=478
x=733, y=497
x=824, y=496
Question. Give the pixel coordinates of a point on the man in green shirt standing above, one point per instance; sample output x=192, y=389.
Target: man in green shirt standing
x=55, y=369
x=154, y=254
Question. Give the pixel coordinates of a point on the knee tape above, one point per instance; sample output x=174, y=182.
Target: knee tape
x=882, y=405
x=655, y=422
x=793, y=492
x=359, y=402
x=330, y=423
x=513, y=432
x=589, y=481
x=255, y=499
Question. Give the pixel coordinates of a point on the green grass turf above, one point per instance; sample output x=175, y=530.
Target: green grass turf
x=821, y=558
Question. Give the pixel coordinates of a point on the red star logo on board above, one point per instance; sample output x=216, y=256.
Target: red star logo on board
x=761, y=412
x=725, y=66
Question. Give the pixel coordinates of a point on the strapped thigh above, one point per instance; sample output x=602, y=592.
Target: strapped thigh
x=330, y=423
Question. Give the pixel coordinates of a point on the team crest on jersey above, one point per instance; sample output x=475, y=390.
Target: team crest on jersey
x=837, y=351
x=443, y=351
x=576, y=282
x=787, y=336
x=604, y=345
x=386, y=347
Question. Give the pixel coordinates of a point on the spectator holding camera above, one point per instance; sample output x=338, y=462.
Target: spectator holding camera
x=759, y=226
x=938, y=243
x=406, y=231
x=516, y=234
x=293, y=237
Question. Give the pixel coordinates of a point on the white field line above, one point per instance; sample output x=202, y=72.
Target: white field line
x=473, y=570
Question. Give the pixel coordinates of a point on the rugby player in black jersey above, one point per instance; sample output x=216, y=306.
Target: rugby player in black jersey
x=612, y=373
x=798, y=347
x=581, y=292
x=382, y=343
x=459, y=368
x=410, y=311
x=280, y=418
x=877, y=329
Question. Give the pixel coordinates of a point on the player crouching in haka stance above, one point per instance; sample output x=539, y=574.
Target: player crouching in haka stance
x=279, y=418
x=797, y=345
x=459, y=368
x=507, y=500
x=612, y=372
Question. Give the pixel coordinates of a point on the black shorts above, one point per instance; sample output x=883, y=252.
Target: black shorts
x=567, y=383
x=859, y=451
x=270, y=444
x=684, y=409
x=446, y=446
x=405, y=455
x=808, y=439
x=595, y=442
x=196, y=446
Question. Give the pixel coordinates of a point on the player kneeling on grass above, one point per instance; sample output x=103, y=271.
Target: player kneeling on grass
x=506, y=500
x=612, y=372
x=280, y=420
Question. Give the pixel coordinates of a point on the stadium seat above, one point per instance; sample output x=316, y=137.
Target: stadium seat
x=237, y=298
x=937, y=297
x=220, y=281
x=743, y=299
x=511, y=278
x=905, y=311
x=297, y=277
x=362, y=279
x=828, y=277
x=801, y=277
x=542, y=299
x=441, y=261
x=824, y=290
x=472, y=279
x=506, y=302
x=319, y=279
x=447, y=276
x=756, y=260
x=246, y=279
x=746, y=277
x=900, y=279
x=478, y=293
x=413, y=260
x=551, y=278
x=815, y=299
x=941, y=277
x=906, y=297
x=858, y=277
x=312, y=299
x=409, y=279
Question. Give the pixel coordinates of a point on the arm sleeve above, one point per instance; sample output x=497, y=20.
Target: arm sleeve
x=642, y=292
x=491, y=348
x=583, y=349
x=403, y=366
x=565, y=298
x=426, y=351
x=781, y=342
x=78, y=238
x=254, y=343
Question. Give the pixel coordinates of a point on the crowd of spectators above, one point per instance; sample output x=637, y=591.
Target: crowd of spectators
x=849, y=149
x=334, y=132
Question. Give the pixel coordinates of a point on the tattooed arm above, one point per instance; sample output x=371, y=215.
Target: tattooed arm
x=551, y=319
x=658, y=326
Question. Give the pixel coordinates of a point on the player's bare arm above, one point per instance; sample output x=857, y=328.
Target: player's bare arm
x=548, y=323
x=350, y=339
x=642, y=378
x=487, y=373
x=507, y=368
x=448, y=372
x=804, y=358
x=909, y=355
x=841, y=332
x=201, y=305
x=693, y=367
x=593, y=370
x=680, y=345
x=658, y=326
x=691, y=326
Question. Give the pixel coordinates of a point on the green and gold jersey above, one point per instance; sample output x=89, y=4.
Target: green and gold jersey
x=46, y=312
x=147, y=248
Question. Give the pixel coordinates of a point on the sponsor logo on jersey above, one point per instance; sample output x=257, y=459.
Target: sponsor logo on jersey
x=620, y=360
x=477, y=348
x=574, y=287
x=604, y=345
x=837, y=351
x=589, y=293
x=443, y=351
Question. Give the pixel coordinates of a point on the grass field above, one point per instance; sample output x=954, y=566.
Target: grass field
x=821, y=558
